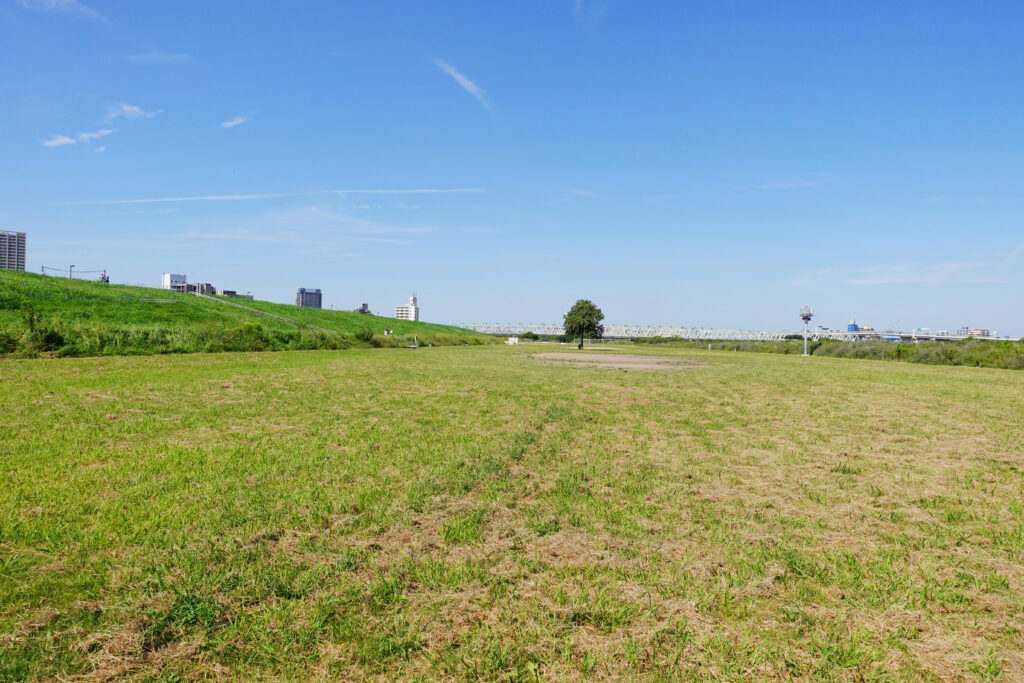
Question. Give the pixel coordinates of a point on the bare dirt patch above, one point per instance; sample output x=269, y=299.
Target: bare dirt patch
x=622, y=361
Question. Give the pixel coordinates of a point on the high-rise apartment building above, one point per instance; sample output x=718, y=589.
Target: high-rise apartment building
x=410, y=312
x=310, y=298
x=12, y=250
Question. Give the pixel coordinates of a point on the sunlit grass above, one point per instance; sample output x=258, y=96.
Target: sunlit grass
x=472, y=513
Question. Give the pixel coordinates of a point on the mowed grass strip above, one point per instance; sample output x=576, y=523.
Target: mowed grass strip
x=477, y=514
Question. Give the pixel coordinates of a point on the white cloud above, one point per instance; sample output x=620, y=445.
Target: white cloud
x=101, y=148
x=582, y=193
x=353, y=224
x=589, y=12
x=59, y=141
x=89, y=137
x=159, y=58
x=69, y=7
x=901, y=274
x=206, y=198
x=424, y=190
x=1016, y=252
x=913, y=273
x=942, y=198
x=466, y=84
x=783, y=185
x=238, y=120
x=276, y=195
x=246, y=235
x=129, y=111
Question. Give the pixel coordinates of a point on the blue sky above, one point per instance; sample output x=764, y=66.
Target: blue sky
x=715, y=164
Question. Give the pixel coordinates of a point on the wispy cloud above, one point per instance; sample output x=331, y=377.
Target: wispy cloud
x=130, y=112
x=944, y=198
x=204, y=198
x=159, y=58
x=582, y=193
x=84, y=138
x=69, y=7
x=424, y=190
x=89, y=137
x=245, y=235
x=101, y=148
x=273, y=195
x=783, y=185
x=353, y=224
x=58, y=141
x=1015, y=253
x=590, y=12
x=313, y=226
x=900, y=274
x=238, y=120
x=918, y=274
x=466, y=84
x=656, y=198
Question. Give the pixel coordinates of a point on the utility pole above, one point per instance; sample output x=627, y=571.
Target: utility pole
x=70, y=269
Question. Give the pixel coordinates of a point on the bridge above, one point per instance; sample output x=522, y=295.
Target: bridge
x=713, y=333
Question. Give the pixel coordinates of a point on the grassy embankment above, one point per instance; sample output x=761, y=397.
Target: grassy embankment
x=40, y=314
x=475, y=514
x=971, y=352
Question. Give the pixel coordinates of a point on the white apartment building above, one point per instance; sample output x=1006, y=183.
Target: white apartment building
x=410, y=312
x=175, y=281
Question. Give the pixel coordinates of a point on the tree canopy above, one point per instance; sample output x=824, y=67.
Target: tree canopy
x=584, y=320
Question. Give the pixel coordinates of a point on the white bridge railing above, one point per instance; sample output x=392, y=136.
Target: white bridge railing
x=629, y=331
x=709, y=333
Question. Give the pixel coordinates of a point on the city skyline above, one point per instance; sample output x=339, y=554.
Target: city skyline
x=684, y=165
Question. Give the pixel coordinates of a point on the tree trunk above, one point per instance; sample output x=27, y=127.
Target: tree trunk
x=581, y=342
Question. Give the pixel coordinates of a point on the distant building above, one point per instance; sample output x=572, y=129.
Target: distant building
x=234, y=294
x=410, y=312
x=853, y=326
x=364, y=309
x=310, y=298
x=12, y=250
x=173, y=281
x=200, y=288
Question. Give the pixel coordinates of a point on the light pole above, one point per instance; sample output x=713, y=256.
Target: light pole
x=70, y=269
x=805, y=314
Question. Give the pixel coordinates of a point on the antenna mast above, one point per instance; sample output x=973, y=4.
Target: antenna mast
x=806, y=313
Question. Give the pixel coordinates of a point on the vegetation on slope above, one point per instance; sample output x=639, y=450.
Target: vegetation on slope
x=41, y=315
x=972, y=352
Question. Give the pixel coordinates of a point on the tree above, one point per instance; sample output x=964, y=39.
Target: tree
x=584, y=320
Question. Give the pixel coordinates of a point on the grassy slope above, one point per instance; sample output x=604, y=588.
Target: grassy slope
x=117, y=305
x=471, y=513
x=350, y=322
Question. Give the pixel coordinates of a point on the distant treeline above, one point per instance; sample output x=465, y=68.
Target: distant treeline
x=533, y=336
x=972, y=352
x=39, y=336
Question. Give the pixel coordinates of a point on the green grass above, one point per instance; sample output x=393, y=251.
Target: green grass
x=1004, y=354
x=471, y=513
x=82, y=318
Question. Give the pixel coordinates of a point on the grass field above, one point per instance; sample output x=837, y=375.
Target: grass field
x=475, y=513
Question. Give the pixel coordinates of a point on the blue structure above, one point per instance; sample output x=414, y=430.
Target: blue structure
x=852, y=327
